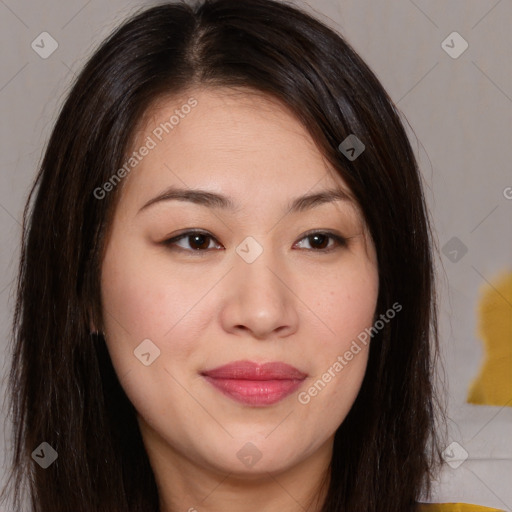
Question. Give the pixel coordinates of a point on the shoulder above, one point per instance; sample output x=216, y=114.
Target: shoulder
x=454, y=507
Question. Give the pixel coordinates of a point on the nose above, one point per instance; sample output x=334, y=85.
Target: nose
x=258, y=299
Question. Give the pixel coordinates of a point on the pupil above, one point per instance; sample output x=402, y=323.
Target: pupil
x=316, y=237
x=199, y=237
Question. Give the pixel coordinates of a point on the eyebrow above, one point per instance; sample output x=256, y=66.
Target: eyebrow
x=219, y=201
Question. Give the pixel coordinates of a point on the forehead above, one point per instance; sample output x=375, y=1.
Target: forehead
x=237, y=122
x=233, y=141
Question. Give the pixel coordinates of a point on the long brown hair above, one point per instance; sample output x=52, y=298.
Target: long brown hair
x=63, y=389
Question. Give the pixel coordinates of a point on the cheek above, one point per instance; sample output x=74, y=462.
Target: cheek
x=144, y=301
x=139, y=303
x=348, y=307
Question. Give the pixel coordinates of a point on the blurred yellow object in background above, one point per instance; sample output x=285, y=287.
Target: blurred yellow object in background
x=454, y=507
x=493, y=386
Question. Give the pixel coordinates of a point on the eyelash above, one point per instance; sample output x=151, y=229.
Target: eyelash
x=340, y=241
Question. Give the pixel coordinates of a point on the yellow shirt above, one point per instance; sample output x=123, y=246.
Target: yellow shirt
x=454, y=507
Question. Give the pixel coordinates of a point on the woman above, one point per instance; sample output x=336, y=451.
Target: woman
x=226, y=290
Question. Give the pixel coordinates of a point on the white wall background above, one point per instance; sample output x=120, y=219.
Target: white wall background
x=459, y=108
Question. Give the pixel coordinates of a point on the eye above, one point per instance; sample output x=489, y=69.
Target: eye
x=320, y=238
x=199, y=241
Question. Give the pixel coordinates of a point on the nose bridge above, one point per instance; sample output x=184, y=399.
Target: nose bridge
x=256, y=264
x=260, y=301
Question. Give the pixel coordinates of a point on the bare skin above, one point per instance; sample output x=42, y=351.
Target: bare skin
x=203, y=308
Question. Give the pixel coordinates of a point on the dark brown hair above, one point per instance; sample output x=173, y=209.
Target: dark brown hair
x=62, y=386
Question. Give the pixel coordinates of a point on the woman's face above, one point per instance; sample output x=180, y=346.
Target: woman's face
x=251, y=287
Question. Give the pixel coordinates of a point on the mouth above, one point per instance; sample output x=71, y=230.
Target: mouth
x=255, y=384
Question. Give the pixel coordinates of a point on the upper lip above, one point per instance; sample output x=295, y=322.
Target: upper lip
x=248, y=370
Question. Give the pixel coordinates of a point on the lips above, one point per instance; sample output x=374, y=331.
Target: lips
x=248, y=370
x=255, y=384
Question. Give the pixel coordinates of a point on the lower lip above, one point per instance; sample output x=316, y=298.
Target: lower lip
x=255, y=392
